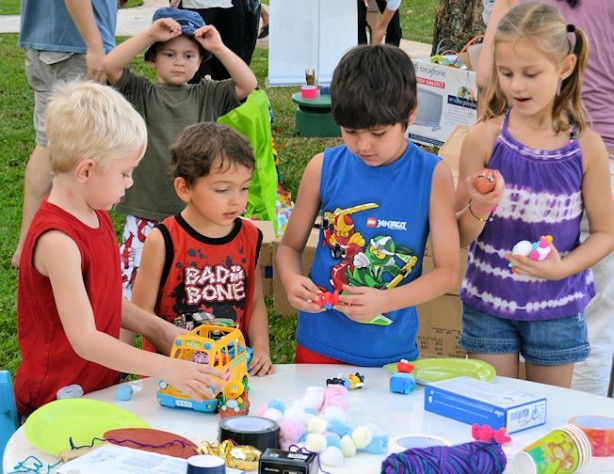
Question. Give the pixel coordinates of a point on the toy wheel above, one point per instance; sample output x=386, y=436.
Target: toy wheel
x=233, y=389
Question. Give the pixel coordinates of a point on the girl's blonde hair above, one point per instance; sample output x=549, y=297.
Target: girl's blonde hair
x=88, y=120
x=544, y=25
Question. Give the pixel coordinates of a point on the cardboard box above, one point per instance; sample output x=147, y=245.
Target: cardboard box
x=450, y=151
x=280, y=301
x=471, y=401
x=266, y=255
x=447, y=97
x=440, y=327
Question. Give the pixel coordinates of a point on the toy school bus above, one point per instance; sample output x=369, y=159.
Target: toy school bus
x=222, y=348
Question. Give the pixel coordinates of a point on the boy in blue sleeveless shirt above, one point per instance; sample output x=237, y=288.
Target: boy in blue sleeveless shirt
x=380, y=197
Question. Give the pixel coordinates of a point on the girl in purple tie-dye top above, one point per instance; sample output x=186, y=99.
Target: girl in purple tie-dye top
x=549, y=167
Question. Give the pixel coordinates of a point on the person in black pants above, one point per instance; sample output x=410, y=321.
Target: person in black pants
x=392, y=28
x=238, y=27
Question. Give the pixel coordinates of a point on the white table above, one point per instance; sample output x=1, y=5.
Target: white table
x=396, y=414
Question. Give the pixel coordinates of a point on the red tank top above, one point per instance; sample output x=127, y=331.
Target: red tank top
x=48, y=360
x=205, y=277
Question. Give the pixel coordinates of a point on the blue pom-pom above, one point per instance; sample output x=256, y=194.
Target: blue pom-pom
x=311, y=411
x=303, y=437
x=336, y=426
x=402, y=383
x=124, y=393
x=278, y=405
x=378, y=445
x=333, y=439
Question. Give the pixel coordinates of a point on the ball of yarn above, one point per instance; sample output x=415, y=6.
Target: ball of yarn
x=467, y=458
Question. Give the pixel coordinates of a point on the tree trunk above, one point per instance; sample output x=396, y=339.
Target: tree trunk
x=456, y=22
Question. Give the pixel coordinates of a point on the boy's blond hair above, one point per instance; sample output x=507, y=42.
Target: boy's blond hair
x=88, y=120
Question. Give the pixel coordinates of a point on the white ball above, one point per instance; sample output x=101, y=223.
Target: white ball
x=524, y=248
x=315, y=442
x=317, y=425
x=335, y=413
x=332, y=456
x=348, y=448
x=362, y=436
x=273, y=414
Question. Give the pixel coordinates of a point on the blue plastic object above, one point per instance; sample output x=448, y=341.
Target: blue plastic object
x=9, y=419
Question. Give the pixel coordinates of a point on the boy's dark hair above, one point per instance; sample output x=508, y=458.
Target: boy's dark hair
x=204, y=145
x=373, y=85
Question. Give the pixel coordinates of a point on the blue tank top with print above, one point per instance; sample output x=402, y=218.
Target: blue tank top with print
x=543, y=196
x=374, y=229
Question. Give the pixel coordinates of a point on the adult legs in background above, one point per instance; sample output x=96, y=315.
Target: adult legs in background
x=593, y=374
x=362, y=21
x=43, y=69
x=251, y=12
x=393, y=32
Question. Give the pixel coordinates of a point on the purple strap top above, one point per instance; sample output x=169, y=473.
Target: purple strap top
x=543, y=196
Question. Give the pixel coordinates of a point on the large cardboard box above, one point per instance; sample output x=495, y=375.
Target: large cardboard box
x=450, y=151
x=440, y=327
x=266, y=255
x=447, y=97
x=280, y=301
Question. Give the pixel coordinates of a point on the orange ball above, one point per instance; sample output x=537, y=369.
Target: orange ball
x=485, y=181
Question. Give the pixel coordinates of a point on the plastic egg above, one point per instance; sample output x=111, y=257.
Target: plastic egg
x=485, y=181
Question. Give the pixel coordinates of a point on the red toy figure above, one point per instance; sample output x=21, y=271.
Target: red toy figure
x=404, y=366
x=328, y=299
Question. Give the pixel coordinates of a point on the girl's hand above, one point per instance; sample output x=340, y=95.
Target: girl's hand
x=193, y=379
x=361, y=303
x=209, y=38
x=552, y=268
x=484, y=203
x=304, y=295
x=261, y=363
x=174, y=3
x=164, y=29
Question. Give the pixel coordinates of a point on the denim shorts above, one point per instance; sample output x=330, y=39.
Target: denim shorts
x=551, y=342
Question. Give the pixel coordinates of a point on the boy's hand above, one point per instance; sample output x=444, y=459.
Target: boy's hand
x=261, y=363
x=209, y=38
x=163, y=30
x=304, y=295
x=193, y=379
x=361, y=303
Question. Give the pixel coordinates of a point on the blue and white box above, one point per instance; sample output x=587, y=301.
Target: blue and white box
x=474, y=401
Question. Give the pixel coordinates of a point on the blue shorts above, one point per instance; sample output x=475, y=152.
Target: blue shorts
x=551, y=342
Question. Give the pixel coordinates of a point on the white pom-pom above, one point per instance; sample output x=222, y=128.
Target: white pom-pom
x=313, y=398
x=332, y=456
x=317, y=425
x=315, y=442
x=362, y=436
x=523, y=248
x=348, y=448
x=335, y=413
x=273, y=414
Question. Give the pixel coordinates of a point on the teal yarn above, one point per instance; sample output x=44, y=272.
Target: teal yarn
x=467, y=458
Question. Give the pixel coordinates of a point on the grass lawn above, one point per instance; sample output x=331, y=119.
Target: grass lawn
x=17, y=139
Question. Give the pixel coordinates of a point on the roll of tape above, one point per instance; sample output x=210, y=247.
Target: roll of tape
x=206, y=464
x=405, y=442
x=600, y=433
x=255, y=431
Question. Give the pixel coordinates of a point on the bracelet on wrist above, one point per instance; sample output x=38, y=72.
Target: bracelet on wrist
x=479, y=218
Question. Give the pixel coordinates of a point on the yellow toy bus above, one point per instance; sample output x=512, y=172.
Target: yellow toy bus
x=221, y=347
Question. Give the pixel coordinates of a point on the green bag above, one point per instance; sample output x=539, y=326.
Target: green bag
x=253, y=121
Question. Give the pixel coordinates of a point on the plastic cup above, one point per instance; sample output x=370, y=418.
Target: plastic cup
x=562, y=451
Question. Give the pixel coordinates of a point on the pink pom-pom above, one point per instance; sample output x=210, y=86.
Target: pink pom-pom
x=261, y=411
x=338, y=396
x=290, y=432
